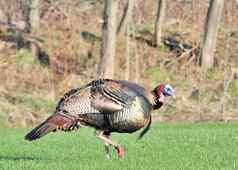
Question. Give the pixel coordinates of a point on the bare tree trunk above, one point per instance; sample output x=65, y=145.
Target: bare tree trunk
x=127, y=55
x=34, y=15
x=106, y=66
x=213, y=18
x=126, y=18
x=3, y=17
x=137, y=63
x=159, y=21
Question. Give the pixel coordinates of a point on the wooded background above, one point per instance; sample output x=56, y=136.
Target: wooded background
x=50, y=46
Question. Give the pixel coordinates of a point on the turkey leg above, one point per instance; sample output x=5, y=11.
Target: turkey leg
x=108, y=150
x=108, y=141
x=107, y=146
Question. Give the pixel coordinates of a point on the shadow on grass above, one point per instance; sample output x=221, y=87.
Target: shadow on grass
x=18, y=158
x=27, y=158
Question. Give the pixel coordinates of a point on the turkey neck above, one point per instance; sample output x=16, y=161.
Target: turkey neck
x=153, y=98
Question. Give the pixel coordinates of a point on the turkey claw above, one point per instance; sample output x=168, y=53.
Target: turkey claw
x=120, y=151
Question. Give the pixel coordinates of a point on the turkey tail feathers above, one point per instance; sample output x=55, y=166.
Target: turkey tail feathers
x=58, y=121
x=145, y=130
x=40, y=131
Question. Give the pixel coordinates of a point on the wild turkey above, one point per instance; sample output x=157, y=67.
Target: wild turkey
x=108, y=106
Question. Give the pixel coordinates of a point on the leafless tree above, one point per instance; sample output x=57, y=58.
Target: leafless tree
x=127, y=16
x=34, y=15
x=3, y=16
x=127, y=55
x=213, y=18
x=109, y=29
x=159, y=21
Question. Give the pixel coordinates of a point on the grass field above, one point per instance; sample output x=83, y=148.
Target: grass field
x=177, y=146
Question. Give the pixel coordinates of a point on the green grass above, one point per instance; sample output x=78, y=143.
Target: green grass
x=233, y=89
x=177, y=146
x=158, y=74
x=25, y=58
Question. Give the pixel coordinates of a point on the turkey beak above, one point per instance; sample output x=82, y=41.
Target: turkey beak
x=173, y=95
x=161, y=98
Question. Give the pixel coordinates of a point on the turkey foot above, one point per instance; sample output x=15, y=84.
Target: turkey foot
x=108, y=142
x=120, y=151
